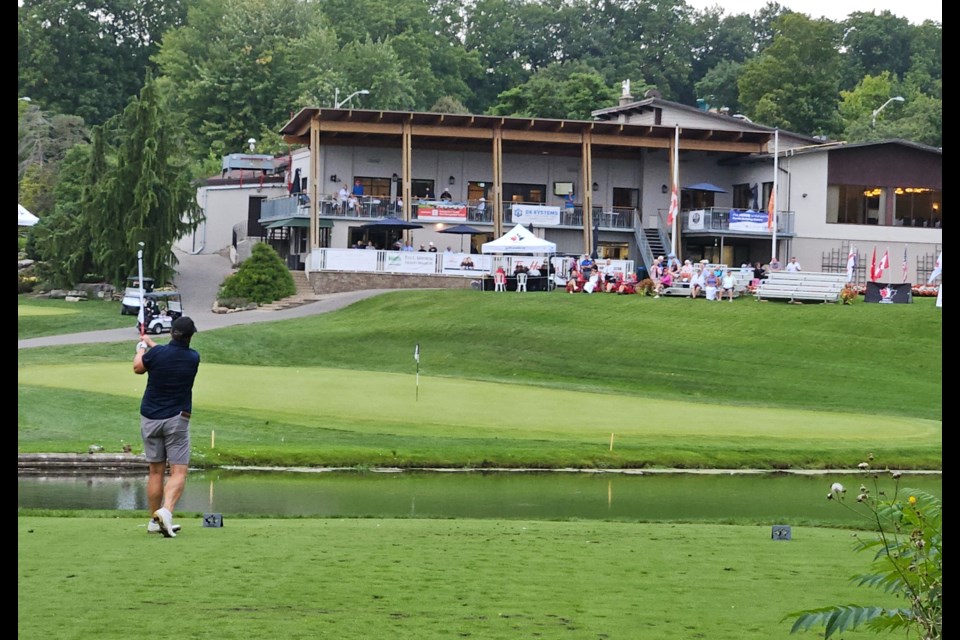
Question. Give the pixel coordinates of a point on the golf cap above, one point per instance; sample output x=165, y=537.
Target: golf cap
x=183, y=326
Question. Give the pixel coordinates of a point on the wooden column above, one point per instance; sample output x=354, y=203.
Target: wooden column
x=406, y=161
x=497, y=182
x=315, y=178
x=586, y=171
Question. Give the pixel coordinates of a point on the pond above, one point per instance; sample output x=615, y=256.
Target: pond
x=782, y=498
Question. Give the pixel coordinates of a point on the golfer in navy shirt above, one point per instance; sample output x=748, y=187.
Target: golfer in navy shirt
x=165, y=418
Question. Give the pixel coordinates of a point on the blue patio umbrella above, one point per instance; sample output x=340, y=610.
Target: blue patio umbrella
x=391, y=223
x=705, y=186
x=463, y=230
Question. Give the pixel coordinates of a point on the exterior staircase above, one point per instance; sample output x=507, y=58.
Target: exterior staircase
x=304, y=294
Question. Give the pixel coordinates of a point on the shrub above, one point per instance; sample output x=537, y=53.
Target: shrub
x=848, y=294
x=907, y=553
x=261, y=278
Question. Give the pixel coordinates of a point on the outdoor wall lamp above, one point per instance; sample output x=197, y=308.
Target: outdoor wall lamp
x=451, y=180
x=396, y=178
x=333, y=177
x=596, y=187
x=664, y=188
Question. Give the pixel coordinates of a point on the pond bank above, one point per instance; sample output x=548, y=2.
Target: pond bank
x=129, y=463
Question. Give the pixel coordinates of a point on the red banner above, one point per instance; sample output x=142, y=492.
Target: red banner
x=442, y=212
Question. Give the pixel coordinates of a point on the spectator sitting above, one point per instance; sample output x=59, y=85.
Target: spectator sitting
x=696, y=282
x=573, y=286
x=628, y=284
x=519, y=268
x=686, y=271
x=445, y=196
x=534, y=270
x=665, y=282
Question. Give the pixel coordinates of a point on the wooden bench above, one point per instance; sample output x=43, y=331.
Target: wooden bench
x=801, y=286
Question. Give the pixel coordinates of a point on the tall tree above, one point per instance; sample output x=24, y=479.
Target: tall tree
x=564, y=91
x=874, y=43
x=147, y=196
x=89, y=57
x=794, y=84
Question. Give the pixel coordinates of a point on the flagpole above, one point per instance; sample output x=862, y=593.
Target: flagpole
x=142, y=316
x=676, y=189
x=416, y=356
x=773, y=197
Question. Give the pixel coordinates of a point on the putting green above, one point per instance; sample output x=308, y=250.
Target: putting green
x=27, y=310
x=362, y=401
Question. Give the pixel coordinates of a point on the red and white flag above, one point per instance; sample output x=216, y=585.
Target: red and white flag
x=883, y=265
x=771, y=204
x=873, y=265
x=937, y=269
x=674, y=209
x=904, y=267
x=851, y=263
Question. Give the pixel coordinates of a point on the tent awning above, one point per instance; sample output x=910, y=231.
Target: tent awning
x=519, y=240
x=300, y=223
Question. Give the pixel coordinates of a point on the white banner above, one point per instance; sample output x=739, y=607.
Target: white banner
x=535, y=214
x=351, y=259
x=466, y=264
x=748, y=221
x=410, y=261
x=695, y=219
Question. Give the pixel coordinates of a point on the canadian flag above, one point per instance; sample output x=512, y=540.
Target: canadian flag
x=674, y=205
x=883, y=265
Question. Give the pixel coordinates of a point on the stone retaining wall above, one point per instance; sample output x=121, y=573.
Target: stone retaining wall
x=46, y=464
x=342, y=281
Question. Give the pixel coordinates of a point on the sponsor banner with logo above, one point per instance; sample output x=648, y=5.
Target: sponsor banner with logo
x=410, y=261
x=465, y=264
x=748, y=221
x=695, y=219
x=889, y=293
x=441, y=212
x=351, y=259
x=535, y=214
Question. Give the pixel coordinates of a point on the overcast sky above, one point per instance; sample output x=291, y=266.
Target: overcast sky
x=916, y=11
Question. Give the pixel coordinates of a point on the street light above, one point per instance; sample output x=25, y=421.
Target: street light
x=873, y=119
x=337, y=102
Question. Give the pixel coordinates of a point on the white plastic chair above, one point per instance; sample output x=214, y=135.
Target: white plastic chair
x=521, y=282
x=499, y=281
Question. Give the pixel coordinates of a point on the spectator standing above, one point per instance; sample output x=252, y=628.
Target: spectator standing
x=710, y=282
x=793, y=266
x=357, y=188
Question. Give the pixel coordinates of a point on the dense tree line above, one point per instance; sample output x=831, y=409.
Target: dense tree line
x=233, y=69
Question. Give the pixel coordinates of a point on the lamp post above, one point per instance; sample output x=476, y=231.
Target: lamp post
x=873, y=118
x=337, y=102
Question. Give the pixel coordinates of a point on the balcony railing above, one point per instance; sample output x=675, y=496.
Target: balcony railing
x=722, y=220
x=373, y=207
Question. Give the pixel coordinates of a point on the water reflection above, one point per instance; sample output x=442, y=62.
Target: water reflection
x=774, y=497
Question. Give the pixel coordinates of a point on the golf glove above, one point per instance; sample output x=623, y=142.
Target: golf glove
x=141, y=345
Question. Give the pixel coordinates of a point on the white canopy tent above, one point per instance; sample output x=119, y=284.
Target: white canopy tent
x=519, y=240
x=25, y=218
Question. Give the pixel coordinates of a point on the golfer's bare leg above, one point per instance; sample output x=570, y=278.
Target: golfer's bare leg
x=155, y=485
x=174, y=487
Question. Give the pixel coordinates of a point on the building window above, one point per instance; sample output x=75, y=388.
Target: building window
x=377, y=187
x=899, y=206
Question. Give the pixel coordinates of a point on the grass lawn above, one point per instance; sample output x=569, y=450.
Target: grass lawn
x=513, y=381
x=106, y=578
x=537, y=380
x=38, y=317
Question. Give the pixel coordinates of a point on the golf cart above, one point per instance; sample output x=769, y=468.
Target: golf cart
x=160, y=309
x=130, y=305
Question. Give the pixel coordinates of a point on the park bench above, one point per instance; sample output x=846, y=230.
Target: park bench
x=801, y=286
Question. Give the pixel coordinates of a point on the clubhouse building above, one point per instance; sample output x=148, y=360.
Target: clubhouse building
x=600, y=186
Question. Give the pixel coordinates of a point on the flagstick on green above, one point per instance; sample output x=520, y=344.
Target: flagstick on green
x=416, y=356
